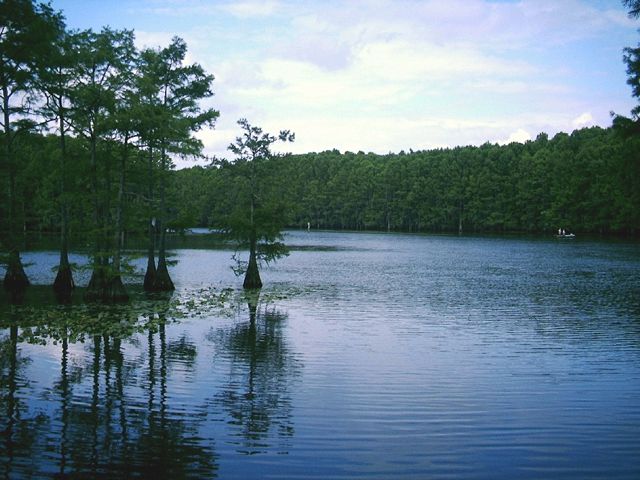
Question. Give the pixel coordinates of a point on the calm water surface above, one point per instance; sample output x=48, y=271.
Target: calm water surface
x=368, y=356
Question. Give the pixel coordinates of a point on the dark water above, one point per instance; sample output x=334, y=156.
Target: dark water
x=367, y=356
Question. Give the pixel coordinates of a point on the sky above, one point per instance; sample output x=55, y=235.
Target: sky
x=389, y=75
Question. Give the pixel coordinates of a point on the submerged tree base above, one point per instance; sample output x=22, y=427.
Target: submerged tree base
x=16, y=297
x=162, y=281
x=63, y=285
x=150, y=275
x=116, y=291
x=15, y=279
x=97, y=286
x=103, y=289
x=252, y=277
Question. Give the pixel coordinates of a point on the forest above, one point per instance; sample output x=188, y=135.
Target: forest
x=91, y=125
x=79, y=109
x=583, y=182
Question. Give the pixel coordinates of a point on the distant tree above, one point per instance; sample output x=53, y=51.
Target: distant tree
x=56, y=84
x=586, y=182
x=151, y=119
x=125, y=124
x=173, y=91
x=102, y=73
x=257, y=218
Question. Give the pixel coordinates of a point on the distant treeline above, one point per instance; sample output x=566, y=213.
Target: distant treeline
x=588, y=181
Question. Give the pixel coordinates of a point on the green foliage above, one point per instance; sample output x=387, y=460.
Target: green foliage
x=115, y=111
x=632, y=59
x=633, y=6
x=253, y=212
x=40, y=323
x=27, y=29
x=168, y=93
x=630, y=127
x=26, y=33
x=583, y=182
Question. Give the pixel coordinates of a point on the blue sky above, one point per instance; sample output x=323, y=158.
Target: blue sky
x=390, y=75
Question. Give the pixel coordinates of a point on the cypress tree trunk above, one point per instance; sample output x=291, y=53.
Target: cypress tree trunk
x=252, y=277
x=63, y=284
x=96, y=290
x=116, y=291
x=150, y=275
x=15, y=279
x=162, y=281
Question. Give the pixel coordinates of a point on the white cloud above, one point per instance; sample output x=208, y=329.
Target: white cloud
x=584, y=120
x=502, y=25
x=394, y=75
x=385, y=75
x=251, y=8
x=146, y=39
x=404, y=60
x=520, y=136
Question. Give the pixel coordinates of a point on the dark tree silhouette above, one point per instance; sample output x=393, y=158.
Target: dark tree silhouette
x=633, y=6
x=257, y=216
x=172, y=91
x=27, y=30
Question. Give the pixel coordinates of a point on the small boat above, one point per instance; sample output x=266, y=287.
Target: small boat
x=566, y=235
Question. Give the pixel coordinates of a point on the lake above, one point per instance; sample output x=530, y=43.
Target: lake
x=366, y=356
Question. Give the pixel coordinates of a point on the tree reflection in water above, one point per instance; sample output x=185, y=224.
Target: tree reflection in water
x=257, y=395
x=121, y=393
x=94, y=421
x=11, y=424
x=19, y=427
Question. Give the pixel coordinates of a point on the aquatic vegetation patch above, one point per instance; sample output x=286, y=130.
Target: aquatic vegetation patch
x=143, y=313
